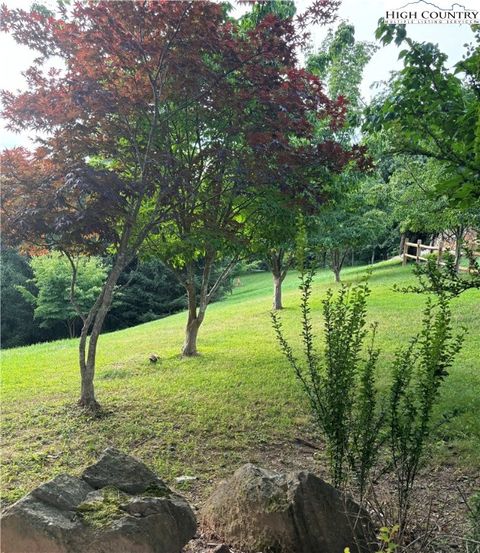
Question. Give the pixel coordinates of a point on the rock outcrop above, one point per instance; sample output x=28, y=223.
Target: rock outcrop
x=118, y=506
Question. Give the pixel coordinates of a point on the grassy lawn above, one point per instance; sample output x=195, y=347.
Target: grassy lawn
x=206, y=415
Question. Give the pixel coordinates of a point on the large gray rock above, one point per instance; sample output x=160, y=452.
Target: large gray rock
x=126, y=473
x=259, y=510
x=69, y=515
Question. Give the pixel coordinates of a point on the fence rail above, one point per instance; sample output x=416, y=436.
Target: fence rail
x=419, y=257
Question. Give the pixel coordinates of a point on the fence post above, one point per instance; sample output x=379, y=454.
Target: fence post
x=405, y=250
x=419, y=245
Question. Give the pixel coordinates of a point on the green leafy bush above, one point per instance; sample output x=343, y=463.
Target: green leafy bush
x=361, y=428
x=340, y=383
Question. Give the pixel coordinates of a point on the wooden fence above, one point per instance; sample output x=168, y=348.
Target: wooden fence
x=418, y=257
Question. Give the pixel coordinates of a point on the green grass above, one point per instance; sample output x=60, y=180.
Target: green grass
x=204, y=416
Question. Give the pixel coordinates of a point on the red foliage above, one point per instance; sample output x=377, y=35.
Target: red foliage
x=129, y=69
x=166, y=120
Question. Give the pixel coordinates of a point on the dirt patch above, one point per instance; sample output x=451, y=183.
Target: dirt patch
x=439, y=510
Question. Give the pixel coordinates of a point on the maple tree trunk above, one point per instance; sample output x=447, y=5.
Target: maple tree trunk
x=189, y=348
x=196, y=313
x=279, y=272
x=194, y=321
x=87, y=353
x=338, y=259
x=277, y=292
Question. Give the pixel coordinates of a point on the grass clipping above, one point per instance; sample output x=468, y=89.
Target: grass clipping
x=103, y=509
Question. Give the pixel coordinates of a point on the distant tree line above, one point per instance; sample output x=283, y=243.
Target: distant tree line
x=35, y=295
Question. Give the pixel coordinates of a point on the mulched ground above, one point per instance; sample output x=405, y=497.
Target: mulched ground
x=439, y=509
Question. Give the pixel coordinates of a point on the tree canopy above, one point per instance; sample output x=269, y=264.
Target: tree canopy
x=430, y=111
x=165, y=119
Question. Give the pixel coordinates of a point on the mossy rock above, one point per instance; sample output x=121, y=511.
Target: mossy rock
x=104, y=509
x=154, y=490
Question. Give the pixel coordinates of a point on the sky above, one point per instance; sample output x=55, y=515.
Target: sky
x=363, y=14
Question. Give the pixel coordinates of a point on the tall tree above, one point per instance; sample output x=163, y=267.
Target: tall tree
x=107, y=175
x=340, y=62
x=430, y=111
x=52, y=279
x=84, y=189
x=274, y=226
x=251, y=142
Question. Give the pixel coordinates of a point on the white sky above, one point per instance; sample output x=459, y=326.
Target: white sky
x=363, y=15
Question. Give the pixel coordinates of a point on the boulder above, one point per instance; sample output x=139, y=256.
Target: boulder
x=260, y=510
x=100, y=513
x=126, y=473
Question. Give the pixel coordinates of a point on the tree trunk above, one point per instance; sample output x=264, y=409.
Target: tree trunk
x=95, y=320
x=189, y=348
x=195, y=319
x=402, y=243
x=87, y=395
x=277, y=292
x=458, y=246
x=279, y=271
x=338, y=259
x=336, y=267
x=372, y=260
x=196, y=313
x=71, y=328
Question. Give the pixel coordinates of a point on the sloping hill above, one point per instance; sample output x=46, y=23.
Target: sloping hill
x=236, y=402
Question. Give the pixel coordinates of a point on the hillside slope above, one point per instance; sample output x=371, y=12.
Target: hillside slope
x=236, y=402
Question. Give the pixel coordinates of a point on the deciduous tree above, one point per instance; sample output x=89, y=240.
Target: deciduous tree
x=109, y=172
x=52, y=278
x=430, y=111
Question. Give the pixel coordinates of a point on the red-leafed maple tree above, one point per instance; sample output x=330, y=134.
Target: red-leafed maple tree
x=165, y=125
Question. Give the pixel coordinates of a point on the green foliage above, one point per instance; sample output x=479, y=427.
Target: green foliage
x=147, y=291
x=301, y=244
x=473, y=537
x=386, y=537
x=367, y=419
x=340, y=62
x=445, y=280
x=429, y=111
x=52, y=277
x=272, y=229
x=284, y=9
x=418, y=372
x=387, y=33
x=416, y=205
x=340, y=385
x=18, y=327
x=354, y=220
x=347, y=220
